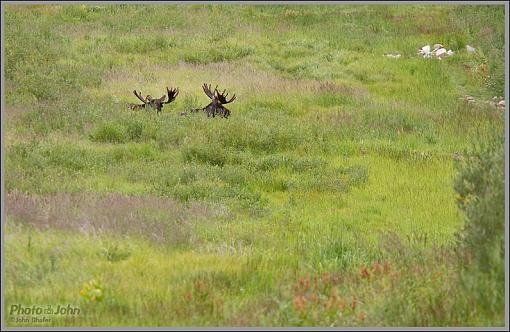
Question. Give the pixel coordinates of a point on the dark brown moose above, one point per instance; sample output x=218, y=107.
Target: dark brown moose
x=217, y=101
x=151, y=103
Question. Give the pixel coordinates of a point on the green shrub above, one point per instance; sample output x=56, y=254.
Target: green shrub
x=357, y=175
x=330, y=99
x=234, y=174
x=218, y=53
x=108, y=132
x=274, y=135
x=209, y=153
x=481, y=188
x=135, y=130
x=294, y=164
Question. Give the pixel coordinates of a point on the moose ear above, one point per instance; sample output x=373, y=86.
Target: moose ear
x=162, y=99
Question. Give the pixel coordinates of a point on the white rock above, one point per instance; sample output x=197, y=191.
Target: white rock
x=438, y=46
x=425, y=49
x=470, y=49
x=441, y=52
x=449, y=53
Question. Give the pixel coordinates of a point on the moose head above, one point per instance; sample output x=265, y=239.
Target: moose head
x=149, y=102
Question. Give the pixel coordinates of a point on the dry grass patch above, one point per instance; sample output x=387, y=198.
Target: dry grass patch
x=240, y=78
x=162, y=220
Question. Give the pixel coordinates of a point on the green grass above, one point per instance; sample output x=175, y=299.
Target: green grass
x=326, y=199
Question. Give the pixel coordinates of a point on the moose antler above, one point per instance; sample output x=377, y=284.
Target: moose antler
x=139, y=95
x=207, y=90
x=149, y=102
x=223, y=97
x=172, y=94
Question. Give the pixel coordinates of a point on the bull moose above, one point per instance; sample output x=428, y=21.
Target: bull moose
x=215, y=107
x=154, y=103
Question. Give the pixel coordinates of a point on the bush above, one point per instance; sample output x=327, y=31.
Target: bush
x=357, y=175
x=218, y=53
x=211, y=154
x=108, y=133
x=480, y=185
x=135, y=130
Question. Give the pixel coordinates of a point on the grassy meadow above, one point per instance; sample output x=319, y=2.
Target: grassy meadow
x=326, y=199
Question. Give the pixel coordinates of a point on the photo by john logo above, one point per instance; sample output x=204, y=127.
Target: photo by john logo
x=18, y=309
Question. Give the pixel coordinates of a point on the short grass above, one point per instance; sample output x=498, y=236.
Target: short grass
x=326, y=199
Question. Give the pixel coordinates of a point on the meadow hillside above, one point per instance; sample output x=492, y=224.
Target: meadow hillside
x=326, y=199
